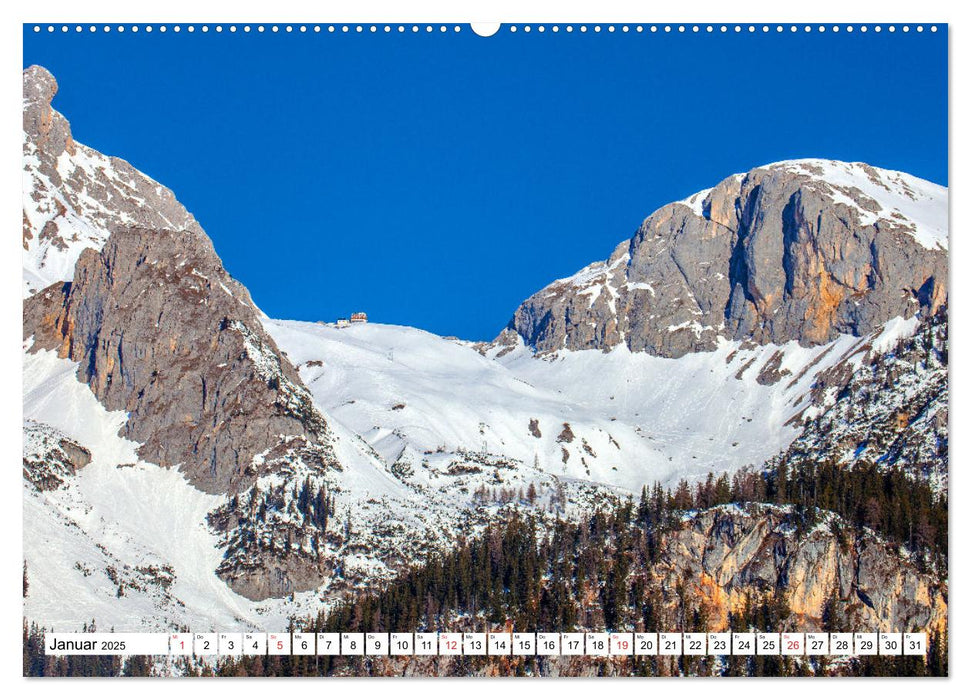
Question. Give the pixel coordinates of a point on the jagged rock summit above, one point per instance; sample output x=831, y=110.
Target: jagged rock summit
x=142, y=302
x=122, y=281
x=46, y=127
x=74, y=196
x=801, y=250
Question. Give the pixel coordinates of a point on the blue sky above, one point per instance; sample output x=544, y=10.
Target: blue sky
x=437, y=180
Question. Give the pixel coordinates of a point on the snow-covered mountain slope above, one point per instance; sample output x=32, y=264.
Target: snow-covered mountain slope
x=619, y=418
x=123, y=541
x=419, y=398
x=61, y=220
x=887, y=404
x=136, y=546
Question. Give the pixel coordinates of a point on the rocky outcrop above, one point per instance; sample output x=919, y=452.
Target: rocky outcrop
x=144, y=305
x=883, y=405
x=160, y=330
x=799, y=250
x=724, y=556
x=276, y=536
x=730, y=568
x=50, y=457
x=47, y=128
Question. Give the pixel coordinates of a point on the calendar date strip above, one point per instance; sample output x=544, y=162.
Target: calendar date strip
x=615, y=644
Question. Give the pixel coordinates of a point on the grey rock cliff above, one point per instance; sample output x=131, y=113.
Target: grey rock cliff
x=160, y=330
x=785, y=252
x=727, y=553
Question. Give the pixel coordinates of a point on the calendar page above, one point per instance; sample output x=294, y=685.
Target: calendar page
x=553, y=349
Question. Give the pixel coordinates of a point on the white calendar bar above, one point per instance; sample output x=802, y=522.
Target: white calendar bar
x=105, y=643
x=492, y=643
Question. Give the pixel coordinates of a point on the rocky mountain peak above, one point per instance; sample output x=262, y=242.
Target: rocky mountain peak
x=43, y=125
x=74, y=196
x=121, y=279
x=799, y=250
